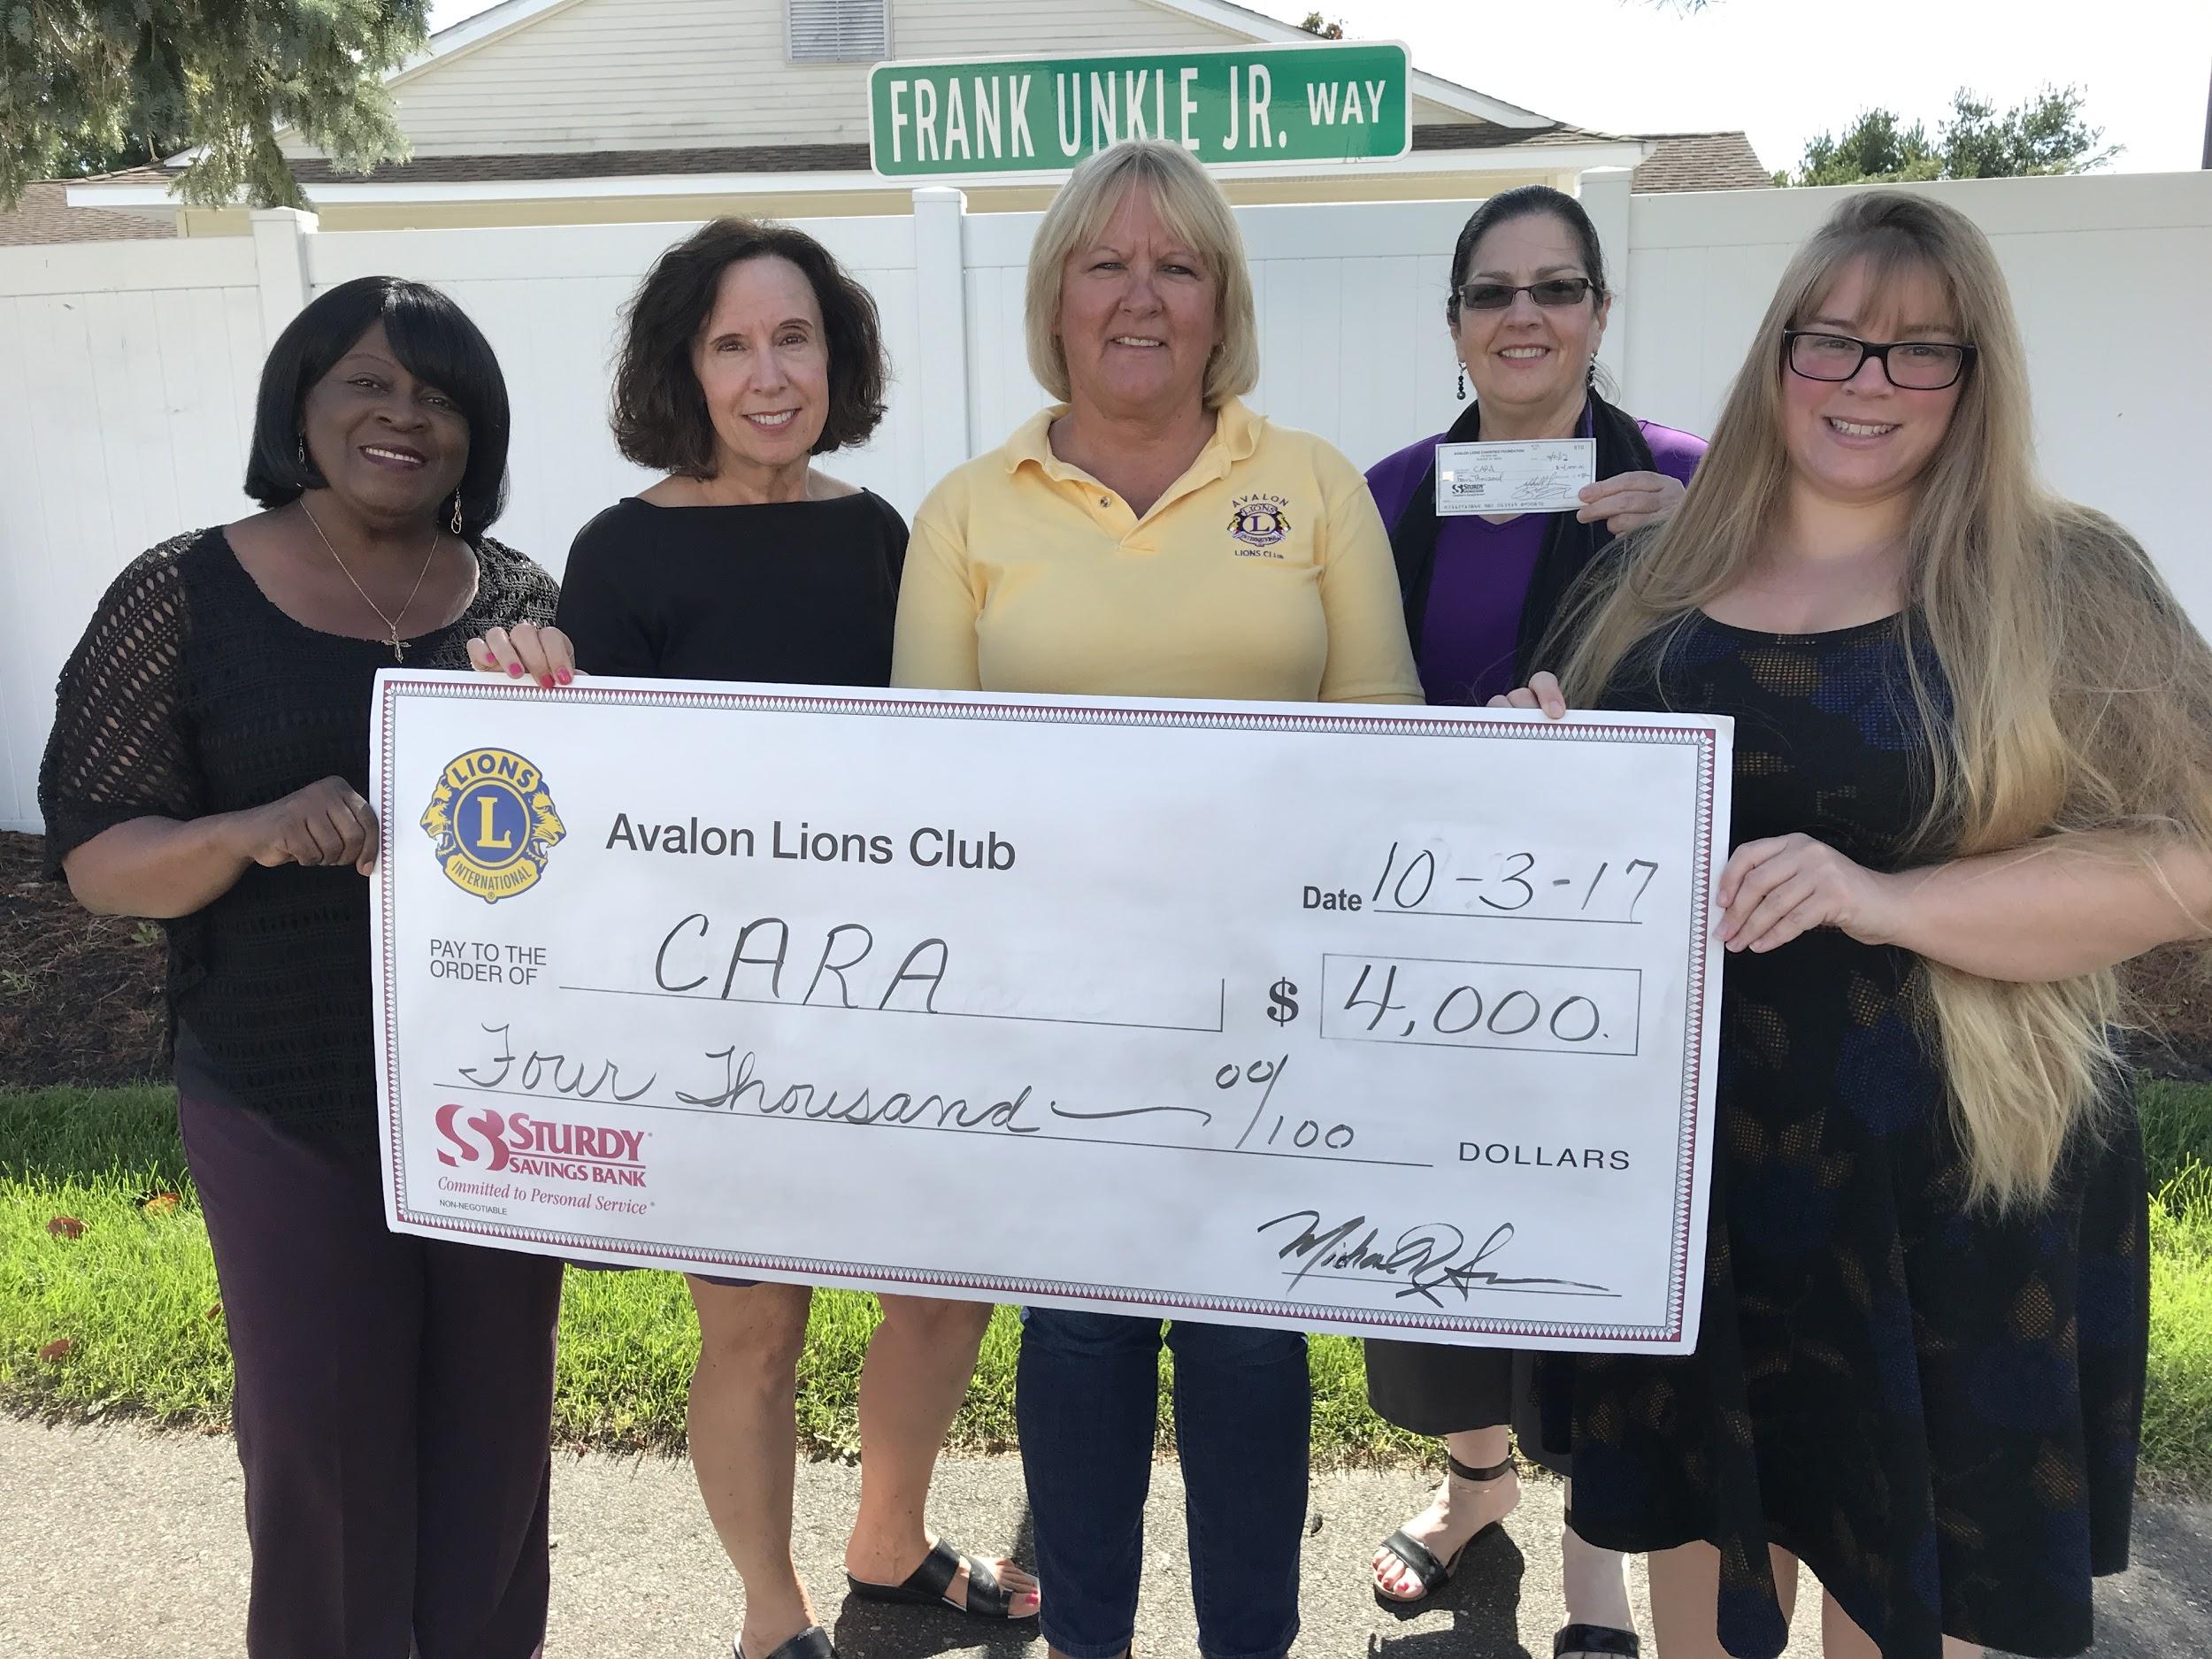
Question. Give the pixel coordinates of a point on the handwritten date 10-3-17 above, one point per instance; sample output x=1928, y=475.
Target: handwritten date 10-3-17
x=1517, y=885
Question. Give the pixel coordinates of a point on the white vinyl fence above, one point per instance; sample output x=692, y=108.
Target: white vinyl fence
x=126, y=385
x=128, y=369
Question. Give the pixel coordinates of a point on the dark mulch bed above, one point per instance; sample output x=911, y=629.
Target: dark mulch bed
x=2176, y=998
x=80, y=995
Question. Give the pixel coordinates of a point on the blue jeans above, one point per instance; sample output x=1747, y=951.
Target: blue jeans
x=1087, y=1402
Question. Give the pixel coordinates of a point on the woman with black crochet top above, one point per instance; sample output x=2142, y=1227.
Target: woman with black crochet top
x=208, y=766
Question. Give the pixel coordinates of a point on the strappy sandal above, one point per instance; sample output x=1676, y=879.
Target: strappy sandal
x=1587, y=1639
x=813, y=1642
x=928, y=1584
x=1428, y=1571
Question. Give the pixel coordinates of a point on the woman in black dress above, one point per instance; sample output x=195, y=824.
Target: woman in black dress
x=209, y=766
x=1973, y=773
x=749, y=352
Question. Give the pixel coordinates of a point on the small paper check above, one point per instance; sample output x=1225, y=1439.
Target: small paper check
x=1541, y=475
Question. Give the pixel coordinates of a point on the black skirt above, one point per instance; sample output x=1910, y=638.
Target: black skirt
x=1434, y=1388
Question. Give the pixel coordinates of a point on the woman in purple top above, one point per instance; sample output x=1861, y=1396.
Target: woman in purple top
x=1526, y=309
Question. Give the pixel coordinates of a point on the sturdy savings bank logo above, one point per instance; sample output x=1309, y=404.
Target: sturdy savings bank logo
x=491, y=824
x=514, y=1143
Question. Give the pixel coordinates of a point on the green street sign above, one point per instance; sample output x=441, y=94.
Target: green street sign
x=1230, y=106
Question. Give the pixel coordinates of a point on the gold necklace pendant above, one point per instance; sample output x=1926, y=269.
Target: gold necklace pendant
x=391, y=624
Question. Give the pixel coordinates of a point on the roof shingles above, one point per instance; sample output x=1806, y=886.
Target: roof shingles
x=1681, y=161
x=1700, y=161
x=44, y=216
x=851, y=157
x=1684, y=161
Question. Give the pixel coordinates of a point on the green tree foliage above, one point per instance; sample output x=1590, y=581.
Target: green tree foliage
x=1875, y=146
x=79, y=159
x=87, y=82
x=2045, y=134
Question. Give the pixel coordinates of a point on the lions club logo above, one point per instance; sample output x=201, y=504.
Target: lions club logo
x=1261, y=522
x=491, y=824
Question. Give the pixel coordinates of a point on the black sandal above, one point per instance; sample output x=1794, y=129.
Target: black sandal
x=926, y=1584
x=1428, y=1571
x=813, y=1642
x=1584, y=1638
x=1605, y=1638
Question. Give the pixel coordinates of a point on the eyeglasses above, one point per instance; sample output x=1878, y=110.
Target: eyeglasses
x=1911, y=365
x=1552, y=291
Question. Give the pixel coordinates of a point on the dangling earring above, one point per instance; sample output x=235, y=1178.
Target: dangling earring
x=457, y=512
x=303, y=449
x=1463, y=382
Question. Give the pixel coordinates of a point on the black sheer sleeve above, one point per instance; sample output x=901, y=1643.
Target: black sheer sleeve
x=512, y=589
x=120, y=748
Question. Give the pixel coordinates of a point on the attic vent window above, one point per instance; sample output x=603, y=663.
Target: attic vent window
x=839, y=31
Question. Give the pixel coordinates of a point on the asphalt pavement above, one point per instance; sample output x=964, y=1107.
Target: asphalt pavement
x=118, y=1543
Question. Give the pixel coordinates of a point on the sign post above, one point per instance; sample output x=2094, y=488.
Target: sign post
x=1232, y=106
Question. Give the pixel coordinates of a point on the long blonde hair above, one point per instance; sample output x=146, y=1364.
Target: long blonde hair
x=2079, y=697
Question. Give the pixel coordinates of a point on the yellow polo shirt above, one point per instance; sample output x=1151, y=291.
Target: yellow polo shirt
x=1263, y=573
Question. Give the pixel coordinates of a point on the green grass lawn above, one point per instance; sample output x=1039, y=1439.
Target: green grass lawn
x=2177, y=1406
x=2177, y=1127
x=134, y=1295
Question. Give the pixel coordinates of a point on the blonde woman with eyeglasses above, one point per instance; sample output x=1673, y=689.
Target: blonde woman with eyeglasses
x=1973, y=775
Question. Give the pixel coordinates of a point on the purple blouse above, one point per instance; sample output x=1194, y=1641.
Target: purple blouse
x=1465, y=651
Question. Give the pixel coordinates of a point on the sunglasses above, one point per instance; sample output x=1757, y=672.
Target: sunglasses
x=1552, y=291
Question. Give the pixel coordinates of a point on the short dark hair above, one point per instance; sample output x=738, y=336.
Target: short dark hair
x=659, y=411
x=1523, y=203
x=440, y=347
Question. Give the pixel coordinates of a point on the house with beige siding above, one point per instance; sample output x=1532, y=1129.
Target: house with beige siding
x=571, y=111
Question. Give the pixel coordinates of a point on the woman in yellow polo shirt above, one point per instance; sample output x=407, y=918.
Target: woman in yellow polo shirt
x=1151, y=536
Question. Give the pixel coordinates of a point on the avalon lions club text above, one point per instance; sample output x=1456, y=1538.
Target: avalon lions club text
x=932, y=847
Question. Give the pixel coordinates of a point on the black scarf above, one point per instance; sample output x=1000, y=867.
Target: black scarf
x=1569, y=543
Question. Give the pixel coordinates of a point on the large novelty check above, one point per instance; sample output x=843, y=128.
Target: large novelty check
x=1392, y=1021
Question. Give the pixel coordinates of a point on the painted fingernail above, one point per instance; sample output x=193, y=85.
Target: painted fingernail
x=546, y=681
x=515, y=669
x=564, y=676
